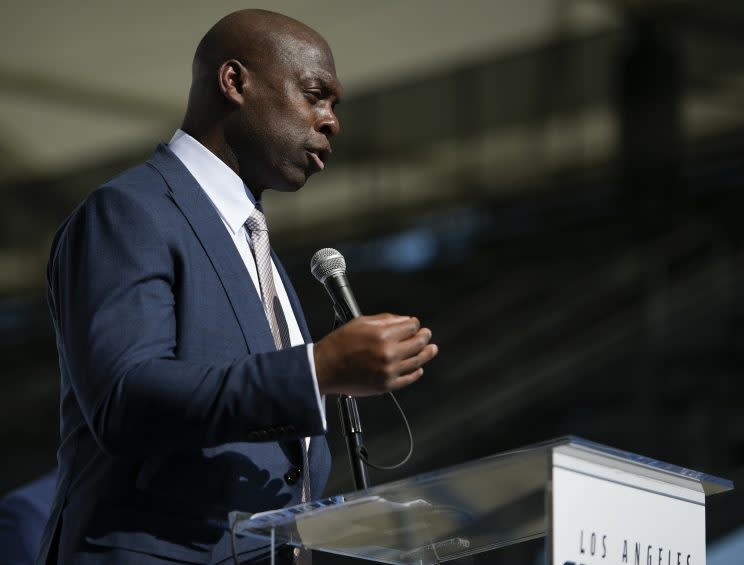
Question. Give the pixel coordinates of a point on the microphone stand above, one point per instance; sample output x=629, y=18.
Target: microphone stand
x=351, y=427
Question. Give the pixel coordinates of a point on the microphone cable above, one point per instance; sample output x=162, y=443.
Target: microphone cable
x=363, y=452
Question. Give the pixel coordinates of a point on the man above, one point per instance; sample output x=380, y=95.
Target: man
x=189, y=383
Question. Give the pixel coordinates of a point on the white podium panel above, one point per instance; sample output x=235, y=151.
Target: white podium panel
x=605, y=515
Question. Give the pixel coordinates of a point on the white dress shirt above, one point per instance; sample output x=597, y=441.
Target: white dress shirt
x=234, y=203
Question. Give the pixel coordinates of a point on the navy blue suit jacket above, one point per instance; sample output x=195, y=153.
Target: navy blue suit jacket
x=23, y=513
x=175, y=405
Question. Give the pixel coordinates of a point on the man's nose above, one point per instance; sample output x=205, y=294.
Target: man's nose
x=328, y=123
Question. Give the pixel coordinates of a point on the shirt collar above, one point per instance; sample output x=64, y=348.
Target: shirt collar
x=228, y=193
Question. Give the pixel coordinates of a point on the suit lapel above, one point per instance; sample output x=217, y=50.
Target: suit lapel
x=211, y=232
x=209, y=229
x=292, y=449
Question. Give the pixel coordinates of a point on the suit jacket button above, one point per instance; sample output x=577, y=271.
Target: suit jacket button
x=292, y=476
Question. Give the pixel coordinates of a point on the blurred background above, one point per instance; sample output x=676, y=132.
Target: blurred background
x=553, y=186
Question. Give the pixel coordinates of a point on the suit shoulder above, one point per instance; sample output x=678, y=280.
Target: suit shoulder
x=137, y=192
x=139, y=189
x=138, y=198
x=142, y=183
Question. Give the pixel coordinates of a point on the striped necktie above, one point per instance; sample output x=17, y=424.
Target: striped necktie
x=259, y=236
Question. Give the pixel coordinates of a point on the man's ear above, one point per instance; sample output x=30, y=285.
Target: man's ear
x=233, y=80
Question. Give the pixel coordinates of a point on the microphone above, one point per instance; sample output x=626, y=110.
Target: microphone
x=329, y=267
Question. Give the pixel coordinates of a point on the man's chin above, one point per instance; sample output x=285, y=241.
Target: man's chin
x=294, y=183
x=291, y=187
x=284, y=184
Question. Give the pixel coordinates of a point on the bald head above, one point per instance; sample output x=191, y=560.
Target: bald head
x=251, y=36
x=258, y=80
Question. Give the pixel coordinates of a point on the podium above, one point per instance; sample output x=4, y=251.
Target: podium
x=592, y=503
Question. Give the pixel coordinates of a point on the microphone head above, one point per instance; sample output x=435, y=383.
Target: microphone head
x=327, y=262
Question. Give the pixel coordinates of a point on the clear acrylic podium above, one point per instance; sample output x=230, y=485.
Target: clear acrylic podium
x=480, y=506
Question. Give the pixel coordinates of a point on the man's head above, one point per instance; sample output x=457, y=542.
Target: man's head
x=262, y=98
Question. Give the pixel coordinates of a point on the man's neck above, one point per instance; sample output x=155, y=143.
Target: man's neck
x=214, y=140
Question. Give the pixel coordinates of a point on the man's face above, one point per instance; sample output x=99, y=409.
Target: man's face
x=282, y=134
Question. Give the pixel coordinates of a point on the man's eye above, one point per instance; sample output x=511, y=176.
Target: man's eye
x=312, y=95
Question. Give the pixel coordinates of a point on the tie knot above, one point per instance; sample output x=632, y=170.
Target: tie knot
x=256, y=221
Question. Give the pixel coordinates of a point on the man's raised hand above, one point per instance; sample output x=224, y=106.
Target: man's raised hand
x=373, y=354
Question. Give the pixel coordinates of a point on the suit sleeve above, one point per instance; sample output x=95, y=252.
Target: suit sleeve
x=112, y=276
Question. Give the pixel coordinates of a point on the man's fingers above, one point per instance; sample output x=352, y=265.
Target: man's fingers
x=372, y=354
x=385, y=319
x=390, y=320
x=414, y=344
x=401, y=330
x=410, y=364
x=405, y=380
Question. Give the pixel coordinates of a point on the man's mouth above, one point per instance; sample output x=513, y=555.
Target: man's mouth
x=315, y=158
x=319, y=155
